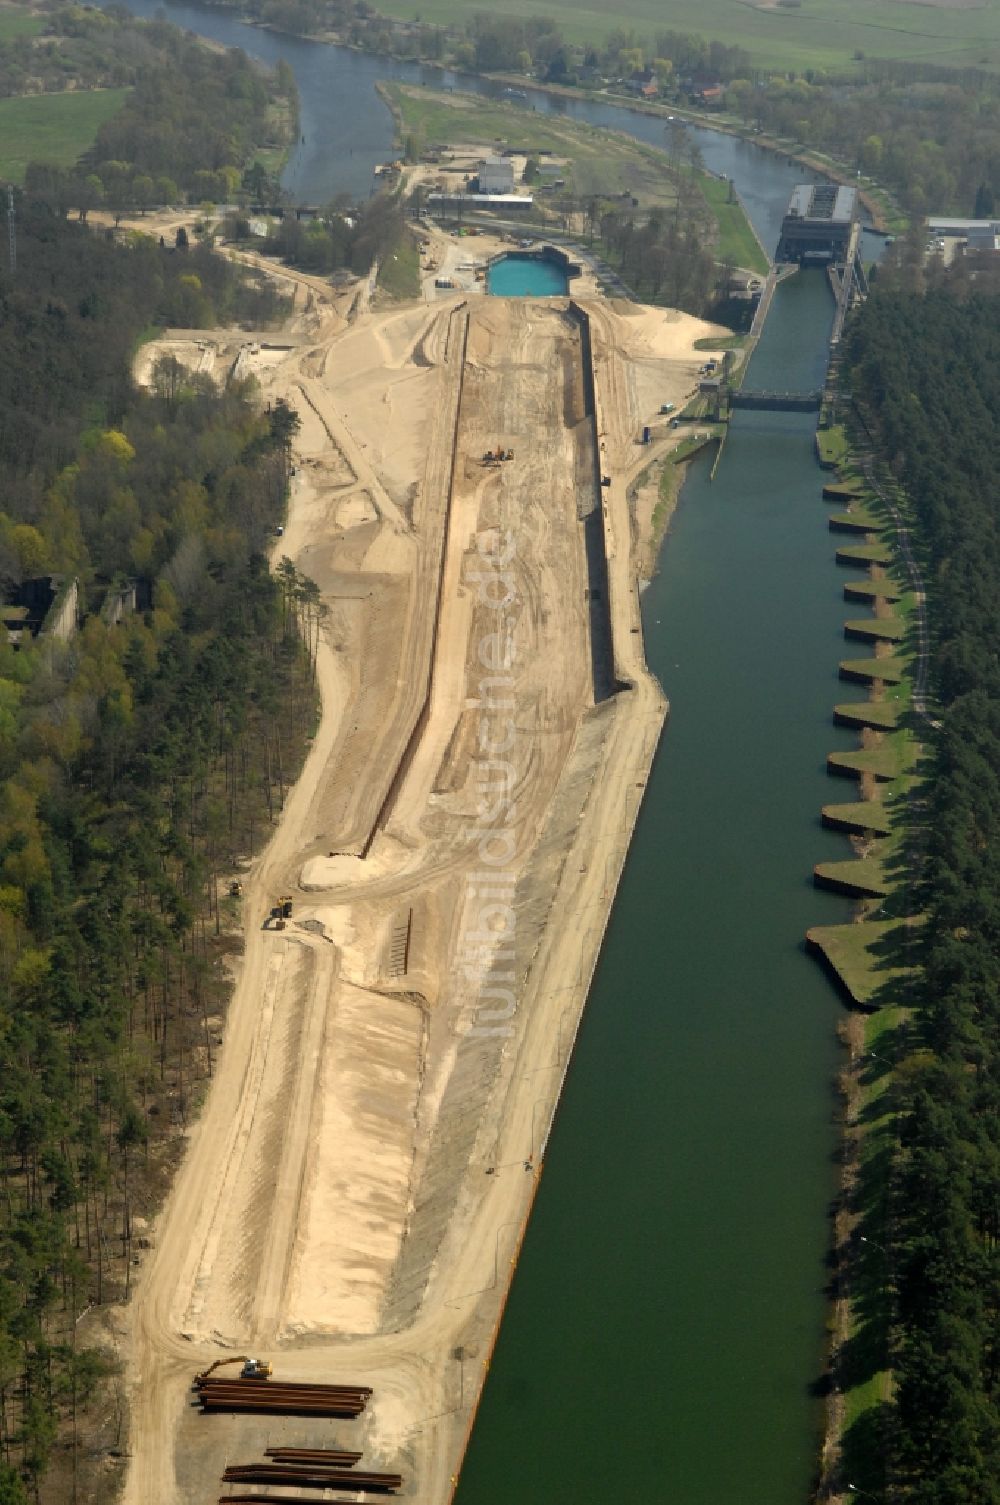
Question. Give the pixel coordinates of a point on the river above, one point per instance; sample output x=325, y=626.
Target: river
x=666, y=1322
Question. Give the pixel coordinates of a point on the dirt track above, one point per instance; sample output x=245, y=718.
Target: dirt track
x=453, y=844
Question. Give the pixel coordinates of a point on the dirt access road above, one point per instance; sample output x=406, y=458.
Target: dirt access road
x=352, y=1197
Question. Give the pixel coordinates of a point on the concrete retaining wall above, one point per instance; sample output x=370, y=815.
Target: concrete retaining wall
x=63, y=615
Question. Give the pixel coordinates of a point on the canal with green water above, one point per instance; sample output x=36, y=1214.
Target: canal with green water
x=666, y=1321
x=667, y=1316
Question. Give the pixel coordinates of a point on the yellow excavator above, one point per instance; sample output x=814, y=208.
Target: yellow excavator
x=253, y=1369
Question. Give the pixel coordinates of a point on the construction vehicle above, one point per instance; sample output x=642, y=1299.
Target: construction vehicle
x=497, y=456
x=285, y=903
x=253, y=1369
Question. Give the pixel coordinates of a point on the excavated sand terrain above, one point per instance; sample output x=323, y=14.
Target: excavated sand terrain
x=453, y=845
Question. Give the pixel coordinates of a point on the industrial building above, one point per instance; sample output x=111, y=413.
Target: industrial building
x=819, y=224
x=496, y=175
x=960, y=229
x=950, y=237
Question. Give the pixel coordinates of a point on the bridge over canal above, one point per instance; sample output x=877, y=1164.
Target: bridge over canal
x=776, y=402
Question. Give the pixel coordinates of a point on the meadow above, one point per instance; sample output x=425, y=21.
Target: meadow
x=52, y=128
x=810, y=34
x=16, y=23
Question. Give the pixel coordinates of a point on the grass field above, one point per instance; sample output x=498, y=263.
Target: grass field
x=815, y=34
x=399, y=273
x=832, y=445
x=15, y=22
x=52, y=128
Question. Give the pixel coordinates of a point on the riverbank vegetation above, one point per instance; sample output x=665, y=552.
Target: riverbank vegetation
x=338, y=240
x=103, y=108
x=142, y=755
x=918, y=1366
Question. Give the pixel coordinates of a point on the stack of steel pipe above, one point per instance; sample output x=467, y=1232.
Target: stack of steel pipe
x=270, y=1499
x=282, y=1396
x=311, y=1476
x=331, y=1456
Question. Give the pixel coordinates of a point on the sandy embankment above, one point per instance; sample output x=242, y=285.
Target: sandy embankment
x=454, y=844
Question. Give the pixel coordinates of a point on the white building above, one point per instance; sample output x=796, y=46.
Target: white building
x=496, y=175
x=507, y=203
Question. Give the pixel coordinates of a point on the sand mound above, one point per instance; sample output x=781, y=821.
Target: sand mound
x=666, y=333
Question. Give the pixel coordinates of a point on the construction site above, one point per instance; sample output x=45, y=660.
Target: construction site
x=324, y=1285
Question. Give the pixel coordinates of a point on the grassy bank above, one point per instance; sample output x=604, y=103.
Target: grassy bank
x=737, y=242
x=670, y=473
x=52, y=128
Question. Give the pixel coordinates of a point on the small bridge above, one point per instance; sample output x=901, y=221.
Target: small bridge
x=777, y=402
